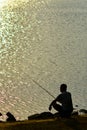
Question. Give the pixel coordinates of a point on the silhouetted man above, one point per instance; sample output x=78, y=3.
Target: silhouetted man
x=65, y=106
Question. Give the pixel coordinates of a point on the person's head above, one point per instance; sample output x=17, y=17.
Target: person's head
x=63, y=87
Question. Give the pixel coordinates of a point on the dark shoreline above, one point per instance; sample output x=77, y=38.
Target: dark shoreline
x=74, y=123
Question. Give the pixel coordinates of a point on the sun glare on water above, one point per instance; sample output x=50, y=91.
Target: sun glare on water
x=3, y=3
x=12, y=3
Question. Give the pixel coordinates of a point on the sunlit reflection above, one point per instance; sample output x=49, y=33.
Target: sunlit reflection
x=41, y=39
x=3, y=2
x=12, y=3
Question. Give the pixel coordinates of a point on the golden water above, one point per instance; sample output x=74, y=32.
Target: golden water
x=43, y=40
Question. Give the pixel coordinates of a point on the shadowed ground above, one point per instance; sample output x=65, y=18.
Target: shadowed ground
x=74, y=123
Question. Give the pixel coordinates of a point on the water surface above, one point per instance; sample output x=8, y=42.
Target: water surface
x=43, y=40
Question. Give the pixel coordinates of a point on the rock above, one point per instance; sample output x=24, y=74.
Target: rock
x=75, y=113
x=43, y=115
x=35, y=116
x=83, y=111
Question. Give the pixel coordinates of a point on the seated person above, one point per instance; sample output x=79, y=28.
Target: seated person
x=65, y=106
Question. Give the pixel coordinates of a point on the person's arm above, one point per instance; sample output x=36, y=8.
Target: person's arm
x=50, y=106
x=57, y=99
x=53, y=102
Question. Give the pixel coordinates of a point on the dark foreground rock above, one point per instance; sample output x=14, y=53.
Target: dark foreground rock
x=48, y=115
x=75, y=123
x=83, y=111
x=43, y=115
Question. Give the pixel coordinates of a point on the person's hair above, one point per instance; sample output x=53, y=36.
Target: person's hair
x=63, y=87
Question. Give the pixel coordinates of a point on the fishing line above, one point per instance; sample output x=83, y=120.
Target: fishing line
x=41, y=87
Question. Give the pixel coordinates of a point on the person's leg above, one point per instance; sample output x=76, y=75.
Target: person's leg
x=66, y=114
x=62, y=113
x=57, y=107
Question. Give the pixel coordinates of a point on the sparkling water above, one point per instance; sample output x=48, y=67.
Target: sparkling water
x=43, y=41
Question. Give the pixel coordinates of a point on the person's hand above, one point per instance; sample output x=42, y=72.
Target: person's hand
x=50, y=107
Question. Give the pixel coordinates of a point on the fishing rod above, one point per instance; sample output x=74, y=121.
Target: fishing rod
x=43, y=88
x=48, y=91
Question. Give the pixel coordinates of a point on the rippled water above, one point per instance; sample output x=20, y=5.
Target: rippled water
x=43, y=40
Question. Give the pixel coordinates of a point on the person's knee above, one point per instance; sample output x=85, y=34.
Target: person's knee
x=57, y=107
x=54, y=105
